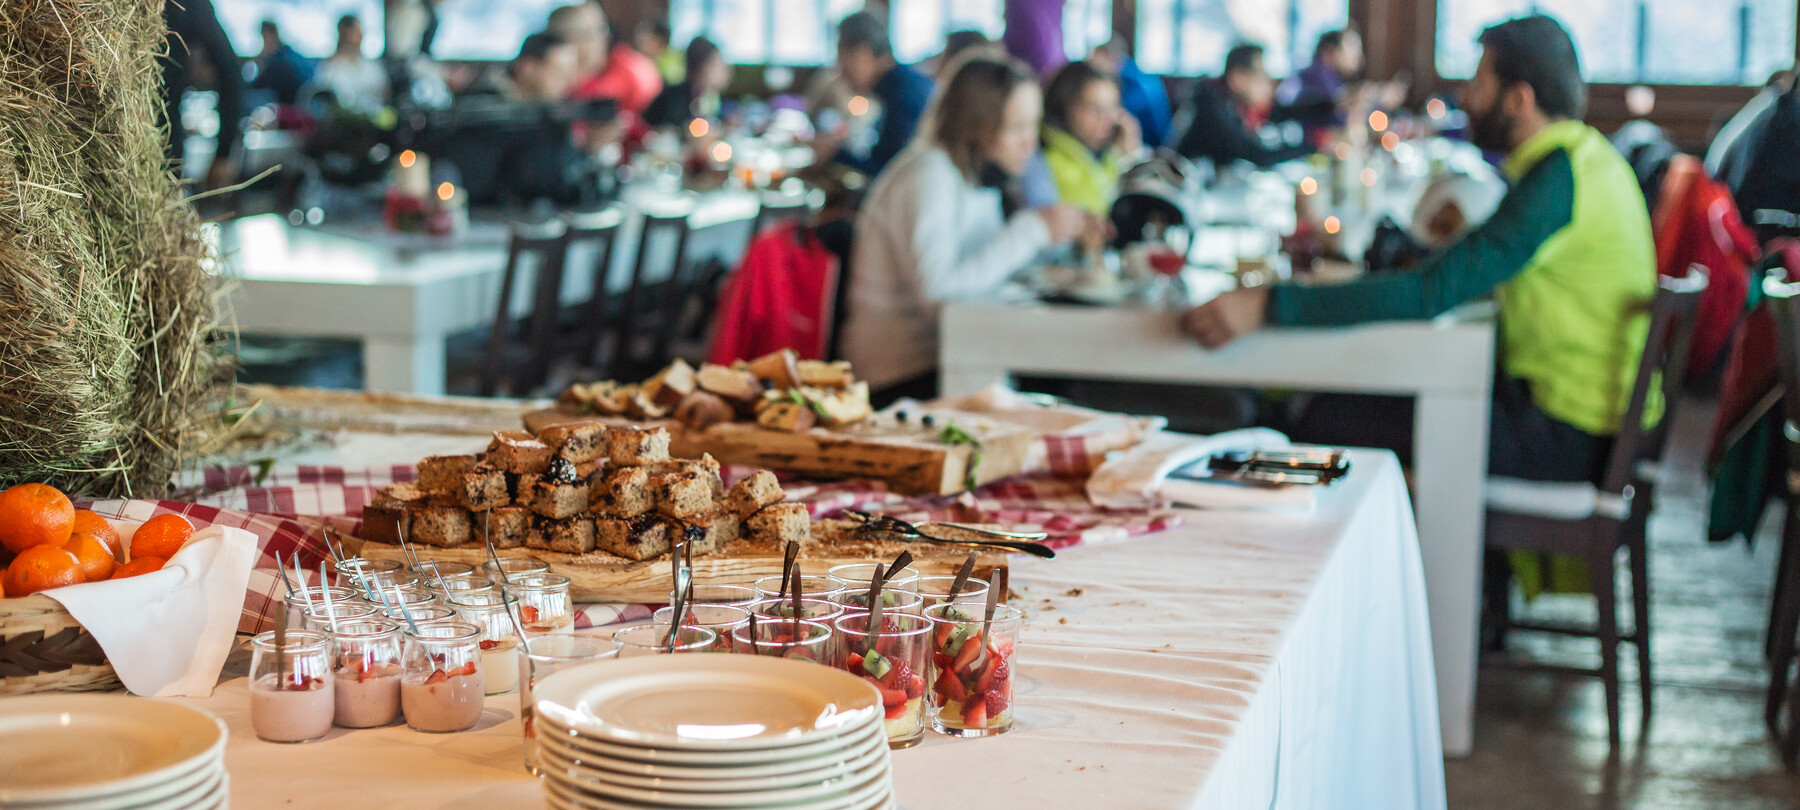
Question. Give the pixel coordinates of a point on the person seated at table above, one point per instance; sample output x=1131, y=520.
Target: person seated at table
x=605, y=69
x=708, y=75
x=1142, y=94
x=280, y=70
x=522, y=163
x=957, y=43
x=1567, y=255
x=865, y=61
x=348, y=79
x=1217, y=129
x=653, y=38
x=940, y=225
x=1086, y=137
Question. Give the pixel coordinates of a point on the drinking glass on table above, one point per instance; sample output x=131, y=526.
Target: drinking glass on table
x=811, y=585
x=543, y=602
x=856, y=600
x=543, y=656
x=971, y=677
x=414, y=600
x=358, y=566
x=320, y=617
x=733, y=595
x=721, y=619
x=894, y=664
x=816, y=610
x=433, y=570
x=368, y=665
x=299, y=599
x=784, y=638
x=441, y=689
x=510, y=566
x=646, y=639
x=936, y=590
x=854, y=575
x=499, y=641
x=385, y=581
x=465, y=586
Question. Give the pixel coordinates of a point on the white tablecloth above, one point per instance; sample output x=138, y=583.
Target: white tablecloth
x=1243, y=660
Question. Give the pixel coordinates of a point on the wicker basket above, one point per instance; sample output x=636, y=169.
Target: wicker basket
x=43, y=649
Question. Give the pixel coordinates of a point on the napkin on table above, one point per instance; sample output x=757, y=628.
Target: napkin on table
x=1139, y=477
x=167, y=632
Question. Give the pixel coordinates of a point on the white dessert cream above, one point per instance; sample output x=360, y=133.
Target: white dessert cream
x=500, y=665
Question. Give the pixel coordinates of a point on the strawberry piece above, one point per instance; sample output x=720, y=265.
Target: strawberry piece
x=915, y=686
x=997, y=701
x=987, y=674
x=966, y=655
x=528, y=613
x=437, y=676
x=943, y=635
x=896, y=711
x=1002, y=676
x=941, y=660
x=856, y=663
x=468, y=668
x=975, y=714
x=898, y=674
x=489, y=643
x=889, y=697
x=953, y=686
x=1004, y=646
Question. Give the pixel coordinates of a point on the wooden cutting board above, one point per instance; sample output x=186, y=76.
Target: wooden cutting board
x=604, y=578
x=908, y=457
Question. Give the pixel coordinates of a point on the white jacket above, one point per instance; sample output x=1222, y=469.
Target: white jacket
x=925, y=236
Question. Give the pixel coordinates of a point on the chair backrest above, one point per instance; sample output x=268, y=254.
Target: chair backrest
x=1671, y=335
x=548, y=241
x=1783, y=296
x=778, y=206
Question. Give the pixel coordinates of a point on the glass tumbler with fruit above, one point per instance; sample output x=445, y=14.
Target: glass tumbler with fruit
x=889, y=651
x=971, y=668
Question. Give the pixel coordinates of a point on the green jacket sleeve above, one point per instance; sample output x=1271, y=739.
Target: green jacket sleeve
x=1542, y=203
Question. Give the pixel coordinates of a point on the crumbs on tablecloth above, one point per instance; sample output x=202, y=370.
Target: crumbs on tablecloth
x=1063, y=620
x=1072, y=592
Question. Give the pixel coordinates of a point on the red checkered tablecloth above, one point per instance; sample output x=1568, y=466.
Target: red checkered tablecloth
x=287, y=508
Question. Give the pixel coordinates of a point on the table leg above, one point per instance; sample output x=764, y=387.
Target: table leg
x=406, y=365
x=1450, y=462
x=959, y=379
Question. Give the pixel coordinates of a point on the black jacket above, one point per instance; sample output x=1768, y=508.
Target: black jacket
x=1218, y=131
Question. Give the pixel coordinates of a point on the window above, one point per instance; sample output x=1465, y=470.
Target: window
x=1190, y=37
x=919, y=26
x=763, y=32
x=309, y=26
x=489, y=30
x=1626, y=41
x=1087, y=24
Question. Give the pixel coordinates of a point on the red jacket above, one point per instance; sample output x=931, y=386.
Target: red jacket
x=781, y=297
x=1696, y=222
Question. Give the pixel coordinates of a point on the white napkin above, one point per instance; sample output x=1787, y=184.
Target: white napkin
x=1139, y=477
x=167, y=632
x=1104, y=431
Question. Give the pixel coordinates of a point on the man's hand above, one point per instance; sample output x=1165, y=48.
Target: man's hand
x=1227, y=317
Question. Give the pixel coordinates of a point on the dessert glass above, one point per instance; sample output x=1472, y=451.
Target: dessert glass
x=971, y=677
x=936, y=590
x=733, y=595
x=855, y=575
x=782, y=638
x=811, y=585
x=646, y=639
x=545, y=656
x=464, y=586
x=299, y=598
x=499, y=641
x=442, y=689
x=543, y=603
x=367, y=676
x=431, y=570
x=817, y=610
x=856, y=600
x=359, y=566
x=385, y=581
x=510, y=566
x=319, y=619
x=415, y=600
x=894, y=667
x=292, y=698
x=721, y=619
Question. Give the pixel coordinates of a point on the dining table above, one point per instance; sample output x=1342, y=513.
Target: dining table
x=1276, y=658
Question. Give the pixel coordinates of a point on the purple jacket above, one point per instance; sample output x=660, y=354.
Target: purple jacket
x=1034, y=33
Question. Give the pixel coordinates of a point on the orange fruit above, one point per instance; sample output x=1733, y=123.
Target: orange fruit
x=97, y=561
x=41, y=568
x=34, y=515
x=97, y=526
x=141, y=565
x=161, y=536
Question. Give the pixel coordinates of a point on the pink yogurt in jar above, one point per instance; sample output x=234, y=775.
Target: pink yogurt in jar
x=293, y=714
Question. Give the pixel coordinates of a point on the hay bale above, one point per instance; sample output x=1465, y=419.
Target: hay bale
x=106, y=298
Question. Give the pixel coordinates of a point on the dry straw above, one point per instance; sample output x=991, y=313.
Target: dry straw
x=106, y=298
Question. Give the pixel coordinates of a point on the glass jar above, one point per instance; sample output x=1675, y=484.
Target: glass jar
x=811, y=586
x=543, y=603
x=733, y=595
x=936, y=590
x=385, y=581
x=499, y=640
x=299, y=599
x=317, y=618
x=721, y=619
x=647, y=640
x=432, y=570
x=801, y=640
x=857, y=575
x=451, y=588
x=368, y=666
x=358, y=566
x=510, y=566
x=291, y=692
x=856, y=600
x=545, y=656
x=441, y=689
x=895, y=662
x=390, y=601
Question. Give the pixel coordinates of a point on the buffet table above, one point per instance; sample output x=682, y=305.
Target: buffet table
x=1241, y=660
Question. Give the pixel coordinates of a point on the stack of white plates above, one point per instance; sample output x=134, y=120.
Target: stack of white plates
x=109, y=752
x=712, y=731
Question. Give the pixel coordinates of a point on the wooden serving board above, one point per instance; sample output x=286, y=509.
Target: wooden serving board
x=910, y=459
x=604, y=578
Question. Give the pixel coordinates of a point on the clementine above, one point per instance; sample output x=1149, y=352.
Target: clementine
x=161, y=536
x=34, y=515
x=97, y=561
x=97, y=526
x=41, y=568
x=140, y=565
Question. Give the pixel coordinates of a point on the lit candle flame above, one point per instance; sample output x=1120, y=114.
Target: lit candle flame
x=407, y=158
x=1390, y=140
x=1309, y=186
x=858, y=105
x=1332, y=225
x=446, y=191
x=698, y=127
x=721, y=152
x=1378, y=121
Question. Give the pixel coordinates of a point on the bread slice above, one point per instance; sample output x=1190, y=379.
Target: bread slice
x=778, y=370
x=671, y=385
x=625, y=493
x=579, y=442
x=508, y=526
x=783, y=414
x=517, y=451
x=398, y=496
x=553, y=499
x=781, y=523
x=444, y=473
x=383, y=524
x=441, y=526
x=574, y=535
x=701, y=410
x=684, y=494
x=721, y=527
x=637, y=539
x=826, y=375
x=737, y=386
x=760, y=489
x=636, y=447
x=483, y=488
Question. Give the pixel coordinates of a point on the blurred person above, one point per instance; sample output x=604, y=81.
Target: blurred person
x=938, y=225
x=1034, y=33
x=1218, y=130
x=1728, y=157
x=606, y=69
x=698, y=97
x=1086, y=137
x=1142, y=94
x=1317, y=94
x=653, y=38
x=194, y=23
x=351, y=80
x=865, y=61
x=280, y=69
x=530, y=155
x=956, y=43
x=1567, y=254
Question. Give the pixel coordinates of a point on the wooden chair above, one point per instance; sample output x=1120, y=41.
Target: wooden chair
x=778, y=206
x=548, y=242
x=601, y=228
x=1594, y=522
x=652, y=308
x=1783, y=300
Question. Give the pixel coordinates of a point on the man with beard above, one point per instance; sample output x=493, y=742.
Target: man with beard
x=1567, y=255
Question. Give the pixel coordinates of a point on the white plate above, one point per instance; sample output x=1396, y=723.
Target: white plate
x=202, y=796
x=868, y=796
x=201, y=776
x=786, y=769
x=63, y=747
x=844, y=787
x=774, y=758
x=590, y=768
x=708, y=702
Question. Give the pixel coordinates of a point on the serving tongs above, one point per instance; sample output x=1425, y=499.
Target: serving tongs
x=907, y=532
x=1278, y=467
